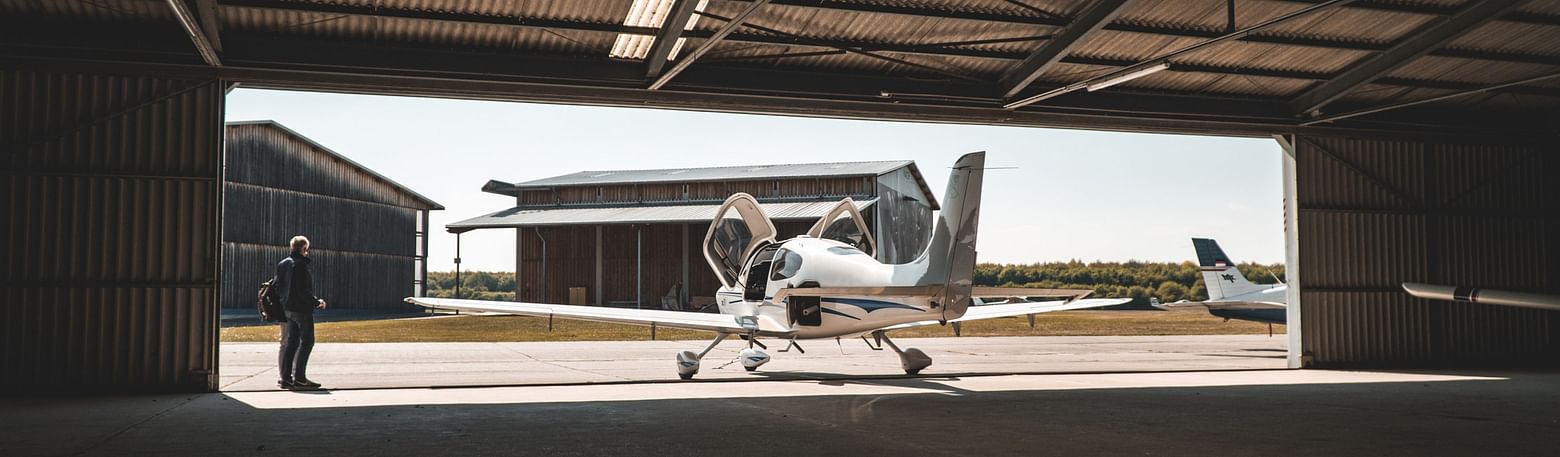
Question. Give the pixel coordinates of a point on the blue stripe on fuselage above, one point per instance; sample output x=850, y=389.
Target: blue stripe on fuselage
x=870, y=305
x=835, y=312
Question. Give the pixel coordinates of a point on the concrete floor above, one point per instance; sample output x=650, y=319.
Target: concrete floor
x=1217, y=413
x=252, y=366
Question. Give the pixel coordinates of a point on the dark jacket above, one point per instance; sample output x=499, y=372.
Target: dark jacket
x=295, y=284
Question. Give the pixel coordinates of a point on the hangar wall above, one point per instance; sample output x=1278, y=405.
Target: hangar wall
x=110, y=222
x=1376, y=213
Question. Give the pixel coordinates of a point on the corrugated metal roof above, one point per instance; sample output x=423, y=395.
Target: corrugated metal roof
x=676, y=214
x=923, y=48
x=408, y=191
x=799, y=170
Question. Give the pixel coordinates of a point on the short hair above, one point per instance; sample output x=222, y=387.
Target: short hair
x=298, y=243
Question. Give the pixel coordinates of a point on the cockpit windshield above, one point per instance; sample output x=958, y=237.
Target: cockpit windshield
x=787, y=263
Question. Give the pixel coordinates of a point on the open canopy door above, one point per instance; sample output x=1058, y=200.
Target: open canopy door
x=740, y=227
x=844, y=224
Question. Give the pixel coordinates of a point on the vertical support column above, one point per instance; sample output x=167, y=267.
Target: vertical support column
x=683, y=298
x=542, y=283
x=520, y=264
x=639, y=263
x=599, y=287
x=457, y=265
x=1292, y=252
x=423, y=275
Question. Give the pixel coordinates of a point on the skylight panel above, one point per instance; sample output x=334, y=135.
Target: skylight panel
x=649, y=13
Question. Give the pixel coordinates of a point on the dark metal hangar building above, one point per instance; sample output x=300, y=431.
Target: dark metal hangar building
x=367, y=232
x=629, y=237
x=1419, y=135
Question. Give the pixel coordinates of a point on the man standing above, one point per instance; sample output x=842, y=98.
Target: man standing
x=295, y=288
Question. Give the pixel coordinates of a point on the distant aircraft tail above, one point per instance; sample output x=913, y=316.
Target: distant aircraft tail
x=1219, y=273
x=950, y=256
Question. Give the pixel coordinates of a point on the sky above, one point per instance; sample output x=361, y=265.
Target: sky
x=1060, y=195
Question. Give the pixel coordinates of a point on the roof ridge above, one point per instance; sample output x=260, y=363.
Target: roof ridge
x=846, y=162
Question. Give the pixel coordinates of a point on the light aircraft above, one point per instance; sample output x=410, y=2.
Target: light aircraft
x=824, y=284
x=1230, y=295
x=1486, y=296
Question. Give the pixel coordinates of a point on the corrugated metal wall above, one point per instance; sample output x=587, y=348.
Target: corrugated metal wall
x=110, y=223
x=1376, y=213
x=362, y=230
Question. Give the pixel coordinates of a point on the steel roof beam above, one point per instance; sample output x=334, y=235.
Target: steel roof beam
x=1161, y=61
x=438, y=72
x=1095, y=16
x=847, y=48
x=924, y=12
x=709, y=43
x=1378, y=109
x=1427, y=39
x=192, y=27
x=1009, y=18
x=1438, y=10
x=671, y=30
x=206, y=10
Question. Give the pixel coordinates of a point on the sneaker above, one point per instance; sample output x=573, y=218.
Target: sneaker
x=305, y=384
x=286, y=384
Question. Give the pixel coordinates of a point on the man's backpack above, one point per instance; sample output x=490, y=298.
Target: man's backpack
x=268, y=304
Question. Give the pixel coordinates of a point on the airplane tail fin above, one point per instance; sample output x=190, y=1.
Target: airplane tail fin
x=950, y=256
x=1219, y=274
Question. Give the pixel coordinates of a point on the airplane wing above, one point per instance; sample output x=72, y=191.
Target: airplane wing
x=719, y=323
x=1020, y=309
x=1024, y=292
x=1220, y=305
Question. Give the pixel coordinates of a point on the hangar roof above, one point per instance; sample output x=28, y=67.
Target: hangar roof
x=421, y=201
x=1257, y=68
x=798, y=170
x=675, y=214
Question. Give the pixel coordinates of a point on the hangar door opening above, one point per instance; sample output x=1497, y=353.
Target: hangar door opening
x=541, y=207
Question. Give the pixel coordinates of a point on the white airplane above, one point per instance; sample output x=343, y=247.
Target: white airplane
x=1486, y=296
x=824, y=284
x=1230, y=295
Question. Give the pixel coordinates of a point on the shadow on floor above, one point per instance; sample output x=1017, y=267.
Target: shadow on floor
x=1498, y=414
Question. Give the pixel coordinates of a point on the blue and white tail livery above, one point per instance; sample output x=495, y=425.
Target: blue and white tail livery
x=1230, y=295
x=826, y=284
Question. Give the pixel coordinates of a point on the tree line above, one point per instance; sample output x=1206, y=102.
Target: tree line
x=1166, y=281
x=475, y=285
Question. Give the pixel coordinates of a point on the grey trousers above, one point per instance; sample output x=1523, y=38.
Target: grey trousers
x=297, y=342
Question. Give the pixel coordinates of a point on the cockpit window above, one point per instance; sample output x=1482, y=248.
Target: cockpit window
x=731, y=237
x=787, y=263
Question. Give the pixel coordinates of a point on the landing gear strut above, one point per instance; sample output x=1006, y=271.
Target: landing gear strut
x=911, y=359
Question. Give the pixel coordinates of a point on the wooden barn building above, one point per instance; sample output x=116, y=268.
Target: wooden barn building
x=368, y=233
x=629, y=238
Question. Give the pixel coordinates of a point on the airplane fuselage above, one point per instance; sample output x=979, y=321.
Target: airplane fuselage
x=810, y=262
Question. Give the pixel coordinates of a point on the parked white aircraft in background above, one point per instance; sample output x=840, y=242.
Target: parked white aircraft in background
x=1230, y=295
x=1486, y=296
x=825, y=284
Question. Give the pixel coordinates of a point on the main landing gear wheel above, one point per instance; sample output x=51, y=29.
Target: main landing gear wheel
x=688, y=361
x=754, y=357
x=912, y=360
